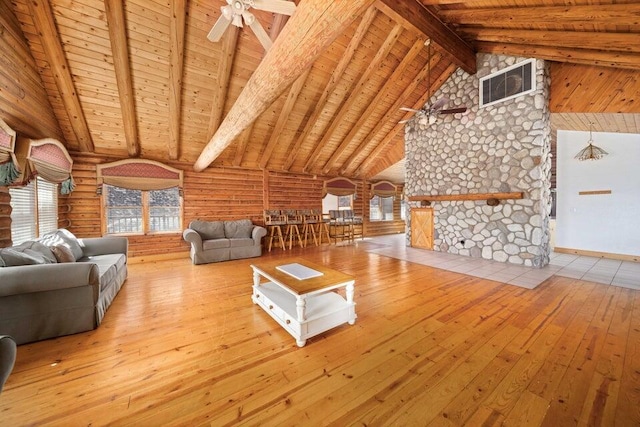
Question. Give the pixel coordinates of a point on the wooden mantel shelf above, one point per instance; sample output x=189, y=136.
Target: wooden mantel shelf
x=469, y=196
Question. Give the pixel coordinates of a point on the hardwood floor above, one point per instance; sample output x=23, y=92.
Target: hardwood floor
x=184, y=345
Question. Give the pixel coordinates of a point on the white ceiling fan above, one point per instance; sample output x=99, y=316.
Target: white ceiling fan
x=237, y=11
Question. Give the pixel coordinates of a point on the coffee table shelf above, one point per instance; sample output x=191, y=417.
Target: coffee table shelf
x=304, y=308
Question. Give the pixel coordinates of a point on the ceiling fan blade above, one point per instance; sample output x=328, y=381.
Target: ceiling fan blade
x=276, y=6
x=440, y=103
x=262, y=35
x=454, y=110
x=218, y=29
x=409, y=109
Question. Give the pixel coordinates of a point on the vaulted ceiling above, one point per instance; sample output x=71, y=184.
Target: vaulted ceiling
x=129, y=78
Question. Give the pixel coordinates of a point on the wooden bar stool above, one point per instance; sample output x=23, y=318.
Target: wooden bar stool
x=274, y=221
x=309, y=221
x=322, y=227
x=293, y=221
x=356, y=229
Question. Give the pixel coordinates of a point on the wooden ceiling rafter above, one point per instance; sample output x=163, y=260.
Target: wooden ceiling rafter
x=176, y=65
x=223, y=76
x=45, y=24
x=120, y=50
x=351, y=163
x=283, y=117
x=576, y=56
x=418, y=18
x=389, y=84
x=241, y=146
x=382, y=146
x=353, y=93
x=336, y=75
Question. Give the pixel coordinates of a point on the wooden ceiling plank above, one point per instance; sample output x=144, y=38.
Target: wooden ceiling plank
x=311, y=29
x=369, y=162
x=576, y=56
x=417, y=17
x=624, y=42
x=223, y=76
x=392, y=111
x=176, y=63
x=389, y=84
x=50, y=38
x=354, y=93
x=584, y=15
x=120, y=50
x=290, y=102
x=336, y=75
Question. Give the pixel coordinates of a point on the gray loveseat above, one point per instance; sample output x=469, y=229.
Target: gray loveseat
x=59, y=285
x=213, y=241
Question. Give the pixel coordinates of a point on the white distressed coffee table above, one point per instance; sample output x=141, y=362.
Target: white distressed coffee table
x=303, y=306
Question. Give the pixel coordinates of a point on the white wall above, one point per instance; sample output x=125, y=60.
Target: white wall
x=602, y=223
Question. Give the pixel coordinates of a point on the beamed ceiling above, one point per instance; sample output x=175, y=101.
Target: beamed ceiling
x=129, y=78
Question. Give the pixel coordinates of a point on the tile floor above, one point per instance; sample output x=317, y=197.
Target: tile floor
x=599, y=270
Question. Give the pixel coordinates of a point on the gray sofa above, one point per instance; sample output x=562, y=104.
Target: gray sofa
x=213, y=241
x=59, y=285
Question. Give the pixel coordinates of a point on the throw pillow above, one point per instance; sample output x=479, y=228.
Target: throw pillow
x=39, y=256
x=66, y=238
x=13, y=258
x=39, y=249
x=208, y=230
x=240, y=229
x=63, y=253
x=2, y=264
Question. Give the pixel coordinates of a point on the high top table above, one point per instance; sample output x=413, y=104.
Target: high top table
x=301, y=296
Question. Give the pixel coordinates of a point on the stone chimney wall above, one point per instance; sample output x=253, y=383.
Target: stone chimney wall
x=501, y=148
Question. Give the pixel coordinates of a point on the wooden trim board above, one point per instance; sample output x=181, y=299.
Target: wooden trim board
x=593, y=193
x=622, y=257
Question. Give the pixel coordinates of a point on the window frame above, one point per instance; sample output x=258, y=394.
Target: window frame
x=146, y=213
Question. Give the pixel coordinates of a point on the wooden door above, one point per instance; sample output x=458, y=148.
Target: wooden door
x=422, y=228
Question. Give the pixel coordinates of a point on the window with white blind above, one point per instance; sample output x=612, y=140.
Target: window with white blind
x=34, y=210
x=381, y=208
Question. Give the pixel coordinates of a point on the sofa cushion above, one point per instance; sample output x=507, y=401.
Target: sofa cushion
x=108, y=266
x=208, y=229
x=13, y=258
x=62, y=253
x=238, y=229
x=215, y=244
x=63, y=237
x=236, y=243
x=37, y=249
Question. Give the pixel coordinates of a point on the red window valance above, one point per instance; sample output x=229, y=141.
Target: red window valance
x=339, y=187
x=139, y=174
x=384, y=189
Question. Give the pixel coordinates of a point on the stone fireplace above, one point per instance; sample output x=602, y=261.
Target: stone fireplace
x=499, y=148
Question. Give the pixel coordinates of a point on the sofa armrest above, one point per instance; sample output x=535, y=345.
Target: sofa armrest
x=104, y=245
x=26, y=279
x=194, y=238
x=258, y=233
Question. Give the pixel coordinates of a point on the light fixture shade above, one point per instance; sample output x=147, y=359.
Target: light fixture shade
x=590, y=152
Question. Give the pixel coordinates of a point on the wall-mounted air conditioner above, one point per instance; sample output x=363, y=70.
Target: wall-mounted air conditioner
x=516, y=80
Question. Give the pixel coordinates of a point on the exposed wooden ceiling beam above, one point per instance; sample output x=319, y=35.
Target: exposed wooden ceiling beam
x=289, y=103
x=576, y=56
x=336, y=75
x=45, y=24
x=311, y=29
x=354, y=93
x=415, y=16
x=383, y=145
x=120, y=50
x=223, y=76
x=624, y=42
x=351, y=163
x=241, y=147
x=176, y=61
x=523, y=17
x=389, y=84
